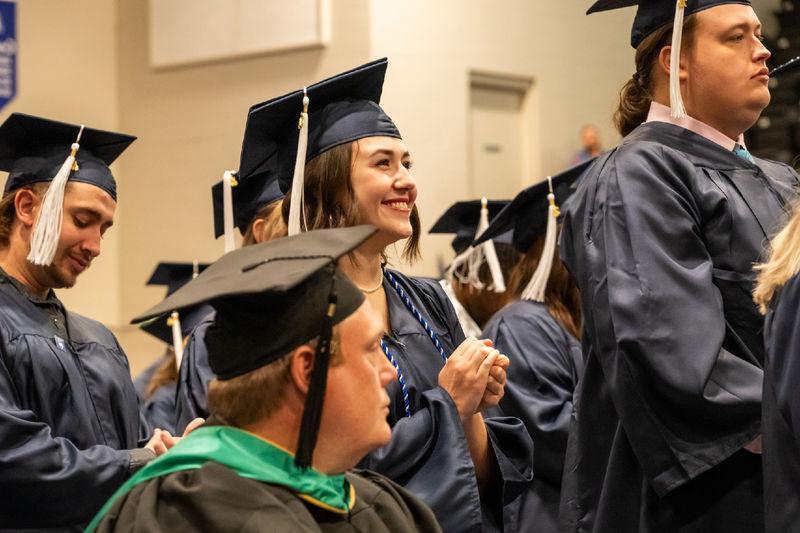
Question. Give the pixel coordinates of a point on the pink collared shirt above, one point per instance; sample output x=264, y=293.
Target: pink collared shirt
x=660, y=113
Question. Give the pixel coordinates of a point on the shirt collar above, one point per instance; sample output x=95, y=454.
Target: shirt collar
x=661, y=113
x=50, y=299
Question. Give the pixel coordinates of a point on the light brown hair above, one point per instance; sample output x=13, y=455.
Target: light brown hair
x=782, y=263
x=166, y=373
x=256, y=395
x=273, y=227
x=330, y=201
x=636, y=95
x=8, y=212
x=561, y=295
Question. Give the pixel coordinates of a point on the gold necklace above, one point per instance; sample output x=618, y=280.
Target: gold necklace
x=370, y=291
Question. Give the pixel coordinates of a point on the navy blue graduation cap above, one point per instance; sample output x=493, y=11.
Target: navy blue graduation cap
x=462, y=219
x=37, y=150
x=532, y=213
x=173, y=328
x=271, y=298
x=248, y=196
x=32, y=149
x=284, y=133
x=652, y=15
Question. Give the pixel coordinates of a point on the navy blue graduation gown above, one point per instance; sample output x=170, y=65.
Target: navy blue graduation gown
x=661, y=236
x=781, y=411
x=428, y=453
x=546, y=362
x=159, y=409
x=141, y=381
x=193, y=378
x=69, y=413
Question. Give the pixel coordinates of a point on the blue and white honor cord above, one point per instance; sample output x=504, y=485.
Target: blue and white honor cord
x=421, y=319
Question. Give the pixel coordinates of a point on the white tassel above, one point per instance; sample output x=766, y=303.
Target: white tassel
x=195, y=268
x=474, y=257
x=177, y=337
x=535, y=290
x=228, y=182
x=675, y=98
x=47, y=228
x=296, y=209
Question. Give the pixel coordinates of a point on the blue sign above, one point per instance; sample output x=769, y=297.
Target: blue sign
x=8, y=52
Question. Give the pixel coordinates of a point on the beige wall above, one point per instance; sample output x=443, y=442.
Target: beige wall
x=577, y=63
x=68, y=71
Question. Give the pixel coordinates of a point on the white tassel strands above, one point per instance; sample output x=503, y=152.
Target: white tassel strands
x=466, y=266
x=177, y=337
x=47, y=228
x=296, y=209
x=536, y=287
x=675, y=99
x=228, y=183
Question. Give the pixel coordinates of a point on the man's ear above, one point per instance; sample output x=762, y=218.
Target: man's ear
x=301, y=366
x=258, y=229
x=664, y=63
x=26, y=203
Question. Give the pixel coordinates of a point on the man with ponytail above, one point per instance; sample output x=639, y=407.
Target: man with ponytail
x=661, y=237
x=71, y=430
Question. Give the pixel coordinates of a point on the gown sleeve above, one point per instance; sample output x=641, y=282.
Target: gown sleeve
x=540, y=385
x=427, y=442
x=657, y=321
x=193, y=377
x=49, y=477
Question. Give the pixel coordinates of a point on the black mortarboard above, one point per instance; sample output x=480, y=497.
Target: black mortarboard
x=462, y=219
x=526, y=215
x=342, y=108
x=270, y=298
x=174, y=276
x=32, y=149
x=249, y=195
x=652, y=14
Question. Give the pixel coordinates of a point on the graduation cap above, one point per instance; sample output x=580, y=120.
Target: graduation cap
x=271, y=298
x=652, y=15
x=468, y=220
x=36, y=150
x=462, y=219
x=236, y=202
x=284, y=133
x=533, y=212
x=174, y=328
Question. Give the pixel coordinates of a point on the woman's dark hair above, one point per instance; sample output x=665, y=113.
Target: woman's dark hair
x=330, y=201
x=636, y=95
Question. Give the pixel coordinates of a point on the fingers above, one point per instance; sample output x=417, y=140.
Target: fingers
x=156, y=444
x=194, y=424
x=497, y=374
x=487, y=363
